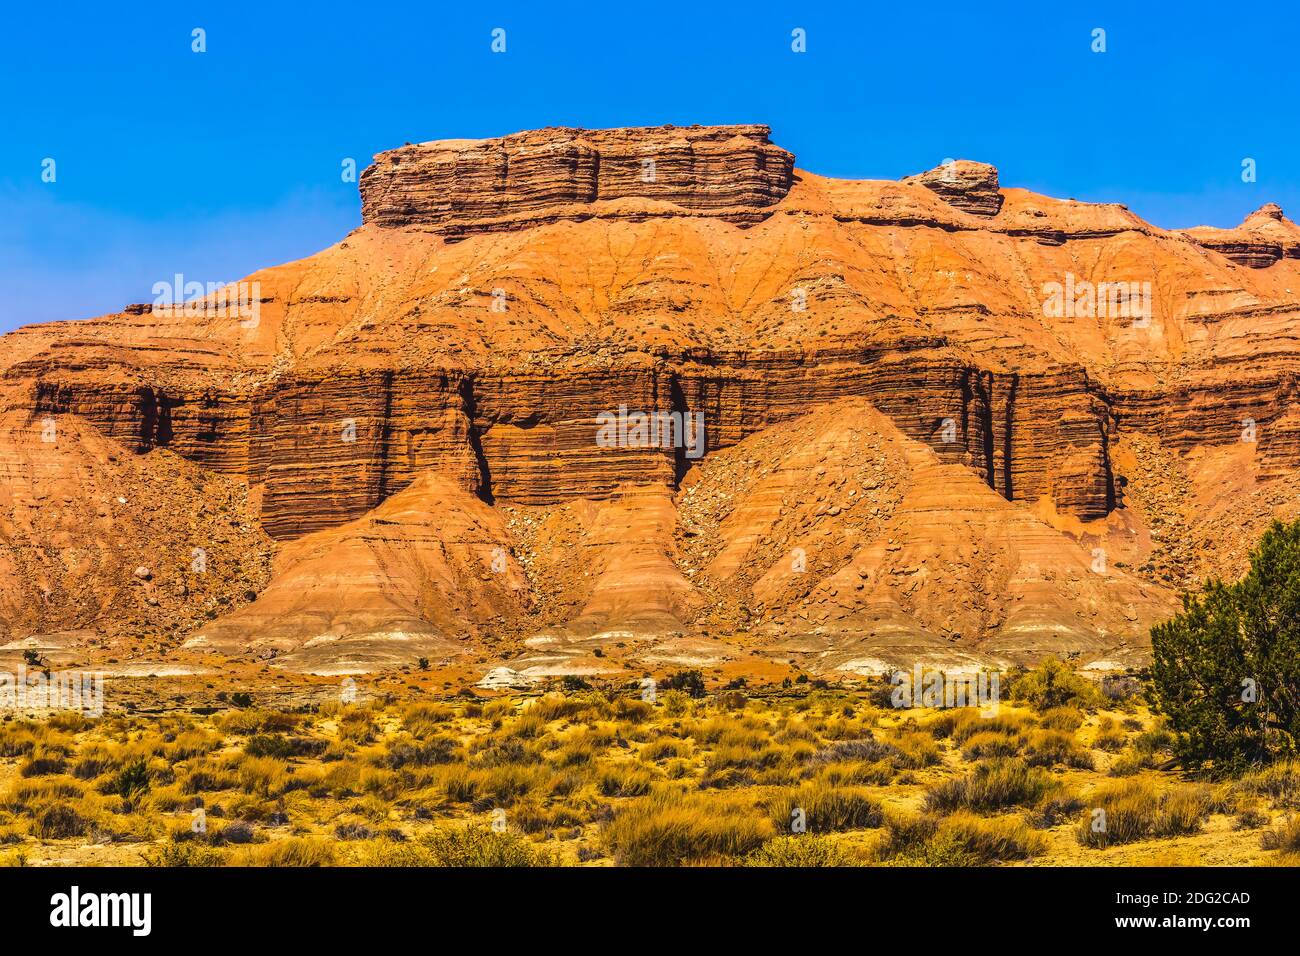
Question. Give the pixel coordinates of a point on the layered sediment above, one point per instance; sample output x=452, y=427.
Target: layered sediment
x=503, y=297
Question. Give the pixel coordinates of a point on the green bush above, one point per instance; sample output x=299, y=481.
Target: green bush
x=1227, y=670
x=1053, y=685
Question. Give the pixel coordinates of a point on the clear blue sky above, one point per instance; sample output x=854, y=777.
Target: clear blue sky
x=219, y=163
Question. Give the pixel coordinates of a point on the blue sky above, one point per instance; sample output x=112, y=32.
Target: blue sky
x=219, y=163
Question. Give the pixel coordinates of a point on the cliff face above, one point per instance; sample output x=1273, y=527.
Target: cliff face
x=505, y=297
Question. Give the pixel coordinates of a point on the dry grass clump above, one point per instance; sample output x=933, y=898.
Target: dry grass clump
x=1285, y=837
x=987, y=744
x=291, y=851
x=1062, y=718
x=851, y=773
x=257, y=721
x=1279, y=783
x=1110, y=736
x=1138, y=810
x=672, y=828
x=1051, y=748
x=460, y=846
x=424, y=720
x=823, y=808
x=961, y=839
x=962, y=723
x=1054, y=811
x=994, y=785
x=1149, y=749
x=623, y=780
x=802, y=851
x=665, y=748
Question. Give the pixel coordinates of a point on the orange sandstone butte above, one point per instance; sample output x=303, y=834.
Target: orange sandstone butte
x=944, y=420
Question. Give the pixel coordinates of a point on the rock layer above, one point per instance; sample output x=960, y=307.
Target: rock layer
x=461, y=187
x=505, y=297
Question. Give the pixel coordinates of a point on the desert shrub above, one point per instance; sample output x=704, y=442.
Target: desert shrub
x=207, y=779
x=665, y=748
x=245, y=722
x=623, y=781
x=989, y=841
x=424, y=720
x=69, y=721
x=479, y=847
x=508, y=752
x=43, y=762
x=387, y=852
x=428, y=752
x=989, y=744
x=1109, y=737
x=192, y=743
x=866, y=749
x=689, y=682
x=16, y=739
x=675, y=703
x=534, y=818
x=1050, y=748
x=1250, y=819
x=961, y=839
x=262, y=775
x=764, y=757
x=1053, y=685
x=963, y=723
x=527, y=726
x=59, y=821
x=825, y=808
x=1285, y=837
x=1054, y=811
x=551, y=707
x=1062, y=718
x=129, y=782
x=292, y=851
x=669, y=828
x=999, y=783
x=852, y=773
x=1226, y=671
x=1279, y=782
x=269, y=745
x=916, y=750
x=802, y=851
x=632, y=710
x=1138, y=810
x=357, y=726
x=28, y=793
x=188, y=853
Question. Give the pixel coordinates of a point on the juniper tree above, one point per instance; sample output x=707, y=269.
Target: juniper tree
x=1226, y=671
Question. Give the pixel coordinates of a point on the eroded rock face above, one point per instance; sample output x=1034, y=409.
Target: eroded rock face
x=1264, y=237
x=464, y=186
x=970, y=187
x=504, y=296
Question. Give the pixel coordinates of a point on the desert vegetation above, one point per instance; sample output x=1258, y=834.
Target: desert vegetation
x=790, y=774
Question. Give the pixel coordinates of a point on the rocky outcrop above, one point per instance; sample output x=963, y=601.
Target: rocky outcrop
x=460, y=187
x=1263, y=238
x=506, y=297
x=970, y=187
